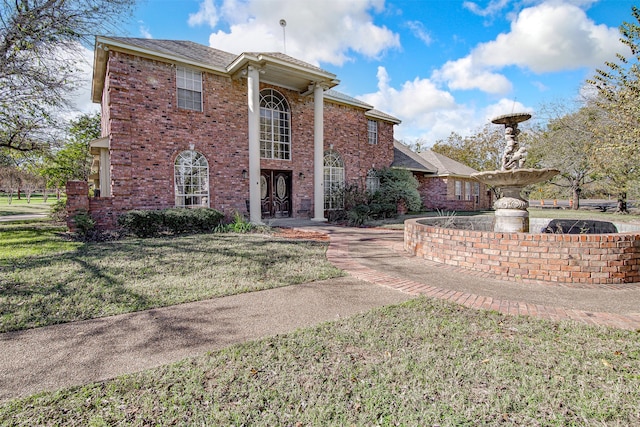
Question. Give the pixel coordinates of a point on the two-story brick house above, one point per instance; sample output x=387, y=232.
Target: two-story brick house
x=258, y=133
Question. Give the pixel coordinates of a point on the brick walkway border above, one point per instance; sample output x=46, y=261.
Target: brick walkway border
x=338, y=254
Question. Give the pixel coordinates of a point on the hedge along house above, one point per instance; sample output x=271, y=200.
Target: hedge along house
x=443, y=183
x=187, y=125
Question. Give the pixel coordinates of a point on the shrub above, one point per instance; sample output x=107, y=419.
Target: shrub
x=85, y=225
x=148, y=223
x=397, y=185
x=59, y=210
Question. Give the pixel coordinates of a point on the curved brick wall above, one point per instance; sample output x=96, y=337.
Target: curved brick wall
x=566, y=258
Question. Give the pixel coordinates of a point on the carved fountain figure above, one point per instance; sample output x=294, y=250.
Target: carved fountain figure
x=511, y=214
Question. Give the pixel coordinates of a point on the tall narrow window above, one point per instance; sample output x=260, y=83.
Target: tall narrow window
x=275, y=126
x=458, y=190
x=372, y=127
x=373, y=181
x=467, y=190
x=476, y=191
x=189, y=83
x=333, y=181
x=191, y=173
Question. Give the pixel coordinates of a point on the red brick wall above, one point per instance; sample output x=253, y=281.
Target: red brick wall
x=439, y=193
x=77, y=201
x=566, y=258
x=148, y=131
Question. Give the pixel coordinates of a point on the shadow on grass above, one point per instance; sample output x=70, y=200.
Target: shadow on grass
x=101, y=279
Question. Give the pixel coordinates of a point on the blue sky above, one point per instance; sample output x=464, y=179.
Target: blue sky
x=438, y=65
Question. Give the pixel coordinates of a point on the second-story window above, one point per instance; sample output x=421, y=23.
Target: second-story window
x=189, y=83
x=372, y=127
x=275, y=126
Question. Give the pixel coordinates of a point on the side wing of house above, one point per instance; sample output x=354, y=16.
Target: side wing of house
x=443, y=183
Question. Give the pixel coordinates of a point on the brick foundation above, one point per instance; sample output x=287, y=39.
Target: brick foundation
x=565, y=258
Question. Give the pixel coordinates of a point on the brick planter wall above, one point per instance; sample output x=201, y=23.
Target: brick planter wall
x=563, y=258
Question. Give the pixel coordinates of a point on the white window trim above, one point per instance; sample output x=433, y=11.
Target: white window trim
x=372, y=131
x=190, y=82
x=191, y=166
x=275, y=126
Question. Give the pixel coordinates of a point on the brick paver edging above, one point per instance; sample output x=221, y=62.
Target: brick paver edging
x=338, y=254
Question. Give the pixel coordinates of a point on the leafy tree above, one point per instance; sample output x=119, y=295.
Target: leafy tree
x=73, y=160
x=567, y=144
x=481, y=151
x=618, y=131
x=40, y=45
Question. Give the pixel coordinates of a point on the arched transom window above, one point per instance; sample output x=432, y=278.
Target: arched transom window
x=333, y=180
x=191, y=172
x=275, y=126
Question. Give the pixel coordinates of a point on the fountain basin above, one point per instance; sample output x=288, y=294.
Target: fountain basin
x=589, y=259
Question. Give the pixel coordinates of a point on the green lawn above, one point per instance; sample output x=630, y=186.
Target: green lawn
x=20, y=207
x=46, y=279
x=422, y=363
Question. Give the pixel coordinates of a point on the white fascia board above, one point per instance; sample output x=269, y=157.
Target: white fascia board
x=152, y=53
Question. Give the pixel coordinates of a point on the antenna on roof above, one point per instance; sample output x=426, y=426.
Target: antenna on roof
x=283, y=24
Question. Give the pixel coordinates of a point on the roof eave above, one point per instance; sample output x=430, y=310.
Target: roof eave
x=385, y=117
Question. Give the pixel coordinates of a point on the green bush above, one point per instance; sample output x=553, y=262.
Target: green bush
x=360, y=206
x=85, y=225
x=397, y=185
x=59, y=210
x=148, y=223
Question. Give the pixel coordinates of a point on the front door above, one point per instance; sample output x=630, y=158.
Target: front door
x=275, y=193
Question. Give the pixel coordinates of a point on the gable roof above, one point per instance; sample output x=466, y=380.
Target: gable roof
x=277, y=68
x=405, y=158
x=445, y=165
x=428, y=161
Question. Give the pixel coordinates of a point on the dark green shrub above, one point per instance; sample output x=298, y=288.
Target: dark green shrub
x=147, y=223
x=397, y=185
x=85, y=225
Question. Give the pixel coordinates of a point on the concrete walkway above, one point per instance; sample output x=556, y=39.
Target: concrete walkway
x=81, y=352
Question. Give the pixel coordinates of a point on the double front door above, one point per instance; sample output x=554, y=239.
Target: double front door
x=275, y=193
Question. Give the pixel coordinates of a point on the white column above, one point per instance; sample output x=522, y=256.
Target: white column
x=253, y=96
x=318, y=153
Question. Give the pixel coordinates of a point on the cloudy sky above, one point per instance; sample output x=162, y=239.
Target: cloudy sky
x=438, y=65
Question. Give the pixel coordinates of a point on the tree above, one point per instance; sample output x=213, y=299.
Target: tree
x=567, y=144
x=40, y=44
x=73, y=160
x=618, y=132
x=481, y=151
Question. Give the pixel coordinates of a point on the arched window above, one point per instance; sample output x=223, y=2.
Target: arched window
x=275, y=126
x=333, y=180
x=191, y=172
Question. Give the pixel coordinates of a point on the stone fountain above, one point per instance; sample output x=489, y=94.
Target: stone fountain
x=511, y=214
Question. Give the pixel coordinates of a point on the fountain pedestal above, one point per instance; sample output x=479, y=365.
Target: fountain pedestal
x=511, y=214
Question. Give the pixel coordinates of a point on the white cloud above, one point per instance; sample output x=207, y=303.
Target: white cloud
x=207, y=14
x=144, y=30
x=80, y=99
x=418, y=30
x=316, y=32
x=550, y=37
x=492, y=8
x=466, y=74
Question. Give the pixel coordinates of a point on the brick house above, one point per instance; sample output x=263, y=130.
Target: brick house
x=443, y=183
x=186, y=125
x=262, y=134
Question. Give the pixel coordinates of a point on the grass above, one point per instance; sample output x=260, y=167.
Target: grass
x=46, y=279
x=424, y=362
x=21, y=207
